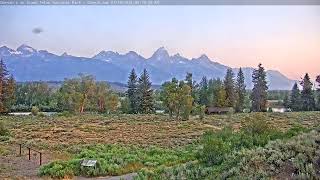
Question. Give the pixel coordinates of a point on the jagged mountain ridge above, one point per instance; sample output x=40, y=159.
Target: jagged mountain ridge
x=29, y=64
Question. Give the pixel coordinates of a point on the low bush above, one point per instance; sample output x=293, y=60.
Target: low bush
x=214, y=149
x=59, y=169
x=3, y=129
x=117, y=160
x=253, y=133
x=256, y=163
x=297, y=158
x=34, y=110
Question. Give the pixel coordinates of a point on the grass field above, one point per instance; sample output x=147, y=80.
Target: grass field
x=63, y=138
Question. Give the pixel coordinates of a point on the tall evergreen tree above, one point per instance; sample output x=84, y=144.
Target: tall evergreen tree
x=295, y=98
x=7, y=88
x=193, y=86
x=3, y=79
x=318, y=92
x=221, y=96
x=189, y=80
x=307, y=97
x=240, y=92
x=145, y=94
x=286, y=102
x=132, y=92
x=203, y=92
x=259, y=91
x=10, y=92
x=229, y=88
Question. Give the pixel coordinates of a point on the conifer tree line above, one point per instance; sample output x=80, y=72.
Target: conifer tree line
x=306, y=99
x=179, y=98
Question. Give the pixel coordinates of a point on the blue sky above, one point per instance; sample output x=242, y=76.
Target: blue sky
x=285, y=38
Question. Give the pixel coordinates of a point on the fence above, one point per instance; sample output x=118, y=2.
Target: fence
x=29, y=153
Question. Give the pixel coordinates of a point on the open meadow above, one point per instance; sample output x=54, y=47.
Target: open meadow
x=121, y=143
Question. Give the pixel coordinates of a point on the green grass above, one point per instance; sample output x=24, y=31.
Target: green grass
x=117, y=160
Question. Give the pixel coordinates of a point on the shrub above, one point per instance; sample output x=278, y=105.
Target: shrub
x=3, y=130
x=200, y=111
x=57, y=169
x=255, y=125
x=301, y=153
x=34, y=110
x=214, y=149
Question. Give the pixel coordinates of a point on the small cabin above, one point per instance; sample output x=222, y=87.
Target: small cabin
x=219, y=110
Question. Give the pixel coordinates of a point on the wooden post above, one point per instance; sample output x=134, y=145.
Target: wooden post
x=40, y=158
x=20, y=149
x=29, y=154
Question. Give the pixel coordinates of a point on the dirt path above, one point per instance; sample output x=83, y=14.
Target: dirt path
x=14, y=166
x=125, y=177
x=122, y=177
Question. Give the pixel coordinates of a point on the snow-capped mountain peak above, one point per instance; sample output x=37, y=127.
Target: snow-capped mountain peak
x=26, y=50
x=160, y=54
x=204, y=57
x=5, y=51
x=106, y=54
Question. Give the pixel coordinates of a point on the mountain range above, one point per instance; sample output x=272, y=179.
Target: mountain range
x=29, y=64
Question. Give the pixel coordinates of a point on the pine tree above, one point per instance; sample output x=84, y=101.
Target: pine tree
x=286, y=102
x=7, y=88
x=307, y=97
x=10, y=92
x=229, y=88
x=318, y=92
x=295, y=98
x=186, y=101
x=192, y=84
x=132, y=92
x=259, y=91
x=240, y=91
x=189, y=80
x=221, y=96
x=203, y=92
x=145, y=94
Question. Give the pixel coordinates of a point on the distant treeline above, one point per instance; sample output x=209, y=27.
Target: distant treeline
x=179, y=98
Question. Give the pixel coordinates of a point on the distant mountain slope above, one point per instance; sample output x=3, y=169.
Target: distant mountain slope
x=29, y=64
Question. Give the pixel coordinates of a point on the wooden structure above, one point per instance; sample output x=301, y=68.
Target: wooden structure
x=219, y=110
x=29, y=153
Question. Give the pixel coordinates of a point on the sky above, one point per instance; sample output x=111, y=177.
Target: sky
x=284, y=38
